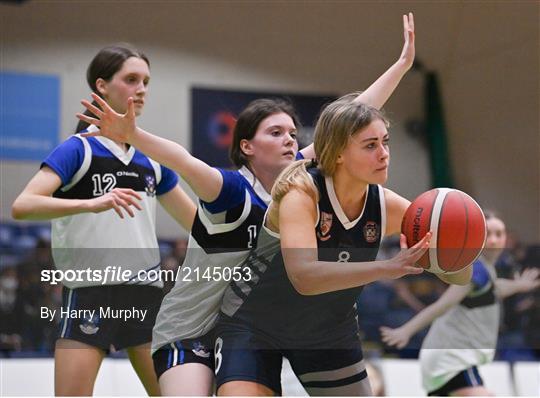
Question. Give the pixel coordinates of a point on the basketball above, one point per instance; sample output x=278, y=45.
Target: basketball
x=457, y=224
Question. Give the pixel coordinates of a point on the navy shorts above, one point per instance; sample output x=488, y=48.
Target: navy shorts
x=242, y=354
x=466, y=378
x=197, y=350
x=108, y=317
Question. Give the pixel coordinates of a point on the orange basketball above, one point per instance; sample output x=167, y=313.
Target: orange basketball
x=457, y=224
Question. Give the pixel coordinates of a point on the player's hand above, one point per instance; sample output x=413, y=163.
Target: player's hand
x=528, y=280
x=117, y=199
x=404, y=263
x=408, y=52
x=394, y=337
x=111, y=124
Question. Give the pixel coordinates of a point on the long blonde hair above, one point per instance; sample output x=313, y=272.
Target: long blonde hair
x=295, y=176
x=338, y=121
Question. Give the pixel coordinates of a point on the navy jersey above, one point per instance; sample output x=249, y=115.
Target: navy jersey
x=92, y=167
x=269, y=302
x=231, y=222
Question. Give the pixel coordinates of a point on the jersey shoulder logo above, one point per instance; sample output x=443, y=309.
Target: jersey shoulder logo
x=371, y=232
x=325, y=224
x=150, y=182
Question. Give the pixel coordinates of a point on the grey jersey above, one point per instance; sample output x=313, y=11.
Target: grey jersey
x=466, y=335
x=222, y=234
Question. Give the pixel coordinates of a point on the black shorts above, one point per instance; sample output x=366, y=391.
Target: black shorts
x=197, y=350
x=108, y=317
x=243, y=354
x=466, y=378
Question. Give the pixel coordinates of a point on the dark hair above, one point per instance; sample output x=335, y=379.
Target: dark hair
x=105, y=64
x=249, y=120
x=490, y=213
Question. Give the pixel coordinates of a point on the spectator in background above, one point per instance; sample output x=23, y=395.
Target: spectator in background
x=531, y=305
x=393, y=302
x=173, y=261
x=511, y=345
x=10, y=339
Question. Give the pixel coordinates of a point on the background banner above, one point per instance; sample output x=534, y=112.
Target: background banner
x=29, y=114
x=214, y=112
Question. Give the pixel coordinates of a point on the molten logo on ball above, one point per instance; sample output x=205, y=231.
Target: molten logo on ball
x=416, y=226
x=457, y=224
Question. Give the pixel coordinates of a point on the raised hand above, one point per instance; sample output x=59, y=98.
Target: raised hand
x=404, y=263
x=408, y=52
x=117, y=199
x=397, y=337
x=528, y=280
x=111, y=124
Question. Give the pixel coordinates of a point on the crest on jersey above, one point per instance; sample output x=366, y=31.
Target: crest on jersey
x=371, y=232
x=89, y=325
x=200, y=350
x=150, y=182
x=325, y=224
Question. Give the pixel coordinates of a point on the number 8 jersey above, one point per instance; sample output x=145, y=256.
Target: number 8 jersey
x=270, y=304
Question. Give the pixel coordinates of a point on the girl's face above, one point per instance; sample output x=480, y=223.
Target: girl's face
x=495, y=239
x=130, y=81
x=366, y=156
x=274, y=145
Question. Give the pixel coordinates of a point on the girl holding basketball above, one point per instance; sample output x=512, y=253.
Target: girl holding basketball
x=230, y=214
x=314, y=253
x=465, y=322
x=80, y=187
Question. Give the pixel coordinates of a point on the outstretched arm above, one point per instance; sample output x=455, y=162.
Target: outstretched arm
x=522, y=283
x=309, y=276
x=400, y=336
x=36, y=202
x=380, y=91
x=205, y=181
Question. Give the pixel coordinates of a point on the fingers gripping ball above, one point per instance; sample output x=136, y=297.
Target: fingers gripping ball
x=458, y=226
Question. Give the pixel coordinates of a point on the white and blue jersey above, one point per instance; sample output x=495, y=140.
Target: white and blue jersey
x=222, y=235
x=269, y=304
x=466, y=335
x=89, y=168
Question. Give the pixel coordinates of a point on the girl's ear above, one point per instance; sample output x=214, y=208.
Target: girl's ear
x=101, y=86
x=246, y=147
